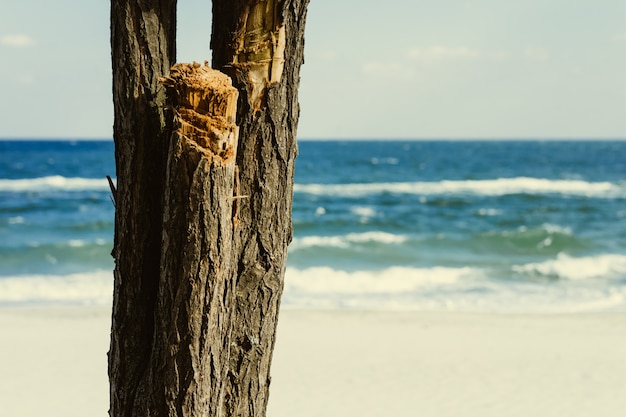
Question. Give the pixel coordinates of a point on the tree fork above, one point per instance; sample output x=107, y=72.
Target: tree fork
x=202, y=220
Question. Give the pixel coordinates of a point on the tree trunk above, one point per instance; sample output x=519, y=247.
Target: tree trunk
x=202, y=220
x=260, y=45
x=143, y=50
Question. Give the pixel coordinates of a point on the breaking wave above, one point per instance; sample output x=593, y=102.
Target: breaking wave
x=495, y=187
x=606, y=266
x=346, y=240
x=88, y=288
x=54, y=183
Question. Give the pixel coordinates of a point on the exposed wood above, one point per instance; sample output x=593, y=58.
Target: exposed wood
x=196, y=291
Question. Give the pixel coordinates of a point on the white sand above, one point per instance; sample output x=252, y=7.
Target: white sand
x=53, y=363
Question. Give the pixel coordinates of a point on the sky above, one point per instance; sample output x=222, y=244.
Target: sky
x=493, y=69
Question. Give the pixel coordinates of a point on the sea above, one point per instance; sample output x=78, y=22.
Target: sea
x=459, y=226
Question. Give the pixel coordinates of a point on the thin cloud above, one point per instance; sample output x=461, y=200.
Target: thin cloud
x=439, y=52
x=536, y=54
x=620, y=37
x=17, y=41
x=500, y=56
x=393, y=70
x=25, y=79
x=327, y=56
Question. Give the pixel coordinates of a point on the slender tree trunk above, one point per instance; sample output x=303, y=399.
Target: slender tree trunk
x=203, y=220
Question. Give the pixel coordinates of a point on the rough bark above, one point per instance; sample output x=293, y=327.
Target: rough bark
x=196, y=290
x=143, y=50
x=260, y=45
x=202, y=220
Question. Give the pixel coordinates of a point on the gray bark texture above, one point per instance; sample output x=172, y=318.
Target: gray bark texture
x=265, y=158
x=203, y=206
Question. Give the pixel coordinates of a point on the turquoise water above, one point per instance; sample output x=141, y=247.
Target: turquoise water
x=504, y=226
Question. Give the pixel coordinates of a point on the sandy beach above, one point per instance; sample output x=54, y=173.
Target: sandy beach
x=337, y=363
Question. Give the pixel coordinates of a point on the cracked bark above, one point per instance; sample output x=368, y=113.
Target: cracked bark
x=260, y=45
x=143, y=49
x=203, y=220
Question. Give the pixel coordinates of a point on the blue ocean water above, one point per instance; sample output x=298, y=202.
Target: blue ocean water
x=505, y=226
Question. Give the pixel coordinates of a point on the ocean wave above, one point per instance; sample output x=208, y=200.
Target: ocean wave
x=346, y=241
x=363, y=212
x=384, y=161
x=605, y=266
x=88, y=288
x=16, y=220
x=489, y=212
x=463, y=289
x=531, y=240
x=53, y=183
x=394, y=280
x=437, y=288
x=495, y=187
x=66, y=246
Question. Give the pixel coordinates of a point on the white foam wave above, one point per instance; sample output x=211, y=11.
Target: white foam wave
x=489, y=212
x=320, y=211
x=435, y=288
x=376, y=237
x=496, y=187
x=83, y=288
x=17, y=220
x=606, y=266
x=384, y=161
x=363, y=211
x=53, y=183
x=555, y=229
x=443, y=289
x=346, y=240
x=394, y=280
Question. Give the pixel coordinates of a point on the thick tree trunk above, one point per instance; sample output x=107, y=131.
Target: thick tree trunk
x=203, y=220
x=193, y=314
x=143, y=50
x=260, y=45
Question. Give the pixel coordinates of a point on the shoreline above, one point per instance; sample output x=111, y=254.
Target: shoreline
x=352, y=363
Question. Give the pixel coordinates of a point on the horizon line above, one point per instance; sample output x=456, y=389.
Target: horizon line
x=347, y=139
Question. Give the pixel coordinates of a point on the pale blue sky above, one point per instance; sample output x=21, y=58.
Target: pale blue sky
x=374, y=69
